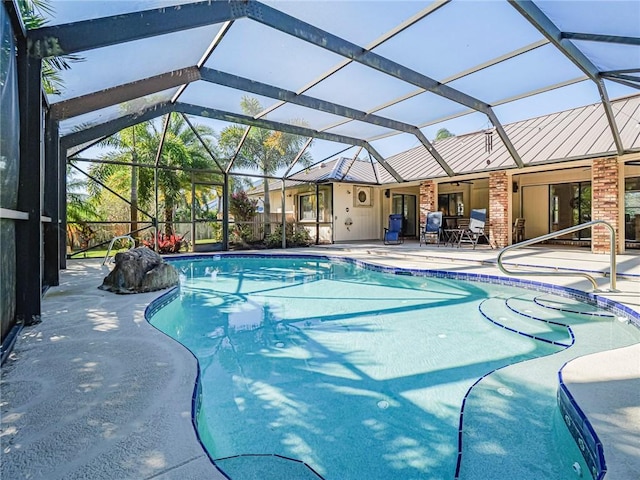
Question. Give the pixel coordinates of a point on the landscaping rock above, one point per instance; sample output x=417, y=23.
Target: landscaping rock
x=139, y=270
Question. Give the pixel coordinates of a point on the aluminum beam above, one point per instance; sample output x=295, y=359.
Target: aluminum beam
x=76, y=37
x=546, y=27
x=282, y=127
x=123, y=93
x=113, y=126
x=202, y=142
x=245, y=134
x=240, y=83
x=298, y=157
x=230, y=117
x=590, y=37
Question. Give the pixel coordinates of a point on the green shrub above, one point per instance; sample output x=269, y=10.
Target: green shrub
x=299, y=238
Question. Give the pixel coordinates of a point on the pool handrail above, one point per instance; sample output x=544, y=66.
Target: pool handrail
x=549, y=236
x=113, y=240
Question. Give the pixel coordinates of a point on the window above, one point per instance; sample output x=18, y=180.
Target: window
x=632, y=209
x=307, y=207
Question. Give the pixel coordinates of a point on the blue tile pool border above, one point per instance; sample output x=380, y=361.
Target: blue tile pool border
x=575, y=419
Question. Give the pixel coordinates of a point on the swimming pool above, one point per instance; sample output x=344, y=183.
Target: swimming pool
x=313, y=367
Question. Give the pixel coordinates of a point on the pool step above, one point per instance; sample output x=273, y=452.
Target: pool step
x=569, y=305
x=497, y=311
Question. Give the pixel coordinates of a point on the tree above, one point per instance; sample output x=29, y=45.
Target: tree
x=267, y=150
x=81, y=210
x=443, y=133
x=181, y=149
x=32, y=12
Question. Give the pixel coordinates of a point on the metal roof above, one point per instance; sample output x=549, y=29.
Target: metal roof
x=558, y=137
x=378, y=75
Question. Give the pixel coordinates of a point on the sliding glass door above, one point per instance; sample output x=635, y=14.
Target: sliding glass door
x=571, y=205
x=406, y=205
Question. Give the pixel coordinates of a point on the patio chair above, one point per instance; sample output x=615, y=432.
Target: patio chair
x=518, y=230
x=393, y=234
x=475, y=230
x=432, y=228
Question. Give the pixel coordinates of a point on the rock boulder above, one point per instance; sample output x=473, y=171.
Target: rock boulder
x=139, y=270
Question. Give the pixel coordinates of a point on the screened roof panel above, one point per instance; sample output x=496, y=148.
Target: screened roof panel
x=255, y=51
x=469, y=29
x=389, y=146
x=360, y=87
x=422, y=108
x=487, y=50
x=98, y=117
x=314, y=119
x=211, y=95
x=216, y=125
x=611, y=17
x=359, y=129
x=471, y=122
x=610, y=56
x=66, y=11
x=617, y=90
x=324, y=150
x=119, y=64
x=359, y=22
x=556, y=100
x=519, y=75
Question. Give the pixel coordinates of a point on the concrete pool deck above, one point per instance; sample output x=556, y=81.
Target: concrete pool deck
x=96, y=392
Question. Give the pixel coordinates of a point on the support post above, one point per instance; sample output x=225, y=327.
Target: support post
x=193, y=214
x=317, y=214
x=284, y=218
x=62, y=206
x=29, y=232
x=52, y=203
x=225, y=212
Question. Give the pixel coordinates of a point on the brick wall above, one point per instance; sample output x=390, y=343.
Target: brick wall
x=605, y=185
x=427, y=199
x=499, y=191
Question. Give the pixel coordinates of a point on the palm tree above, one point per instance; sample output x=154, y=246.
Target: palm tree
x=267, y=150
x=81, y=210
x=181, y=149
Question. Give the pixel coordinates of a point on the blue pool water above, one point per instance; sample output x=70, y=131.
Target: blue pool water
x=313, y=368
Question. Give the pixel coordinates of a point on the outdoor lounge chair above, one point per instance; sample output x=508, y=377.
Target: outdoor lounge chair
x=393, y=234
x=475, y=230
x=432, y=228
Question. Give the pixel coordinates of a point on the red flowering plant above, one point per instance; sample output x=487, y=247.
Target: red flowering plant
x=167, y=243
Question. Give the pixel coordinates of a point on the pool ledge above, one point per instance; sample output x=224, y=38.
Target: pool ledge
x=605, y=386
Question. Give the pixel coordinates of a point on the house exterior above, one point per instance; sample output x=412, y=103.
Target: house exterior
x=571, y=175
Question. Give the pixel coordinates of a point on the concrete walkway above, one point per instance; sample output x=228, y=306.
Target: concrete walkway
x=95, y=392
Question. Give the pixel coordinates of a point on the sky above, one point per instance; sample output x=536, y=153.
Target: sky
x=444, y=45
